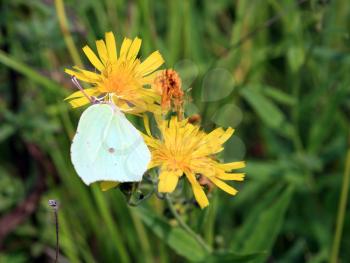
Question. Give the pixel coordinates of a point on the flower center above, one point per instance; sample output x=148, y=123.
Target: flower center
x=116, y=83
x=118, y=78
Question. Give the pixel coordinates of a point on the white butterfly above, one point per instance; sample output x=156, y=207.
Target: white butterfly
x=107, y=147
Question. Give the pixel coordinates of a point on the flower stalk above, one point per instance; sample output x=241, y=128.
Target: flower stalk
x=341, y=211
x=182, y=224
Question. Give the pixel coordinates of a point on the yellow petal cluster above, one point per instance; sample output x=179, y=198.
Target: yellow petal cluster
x=123, y=76
x=184, y=149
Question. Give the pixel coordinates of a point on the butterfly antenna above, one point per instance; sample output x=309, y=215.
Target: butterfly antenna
x=54, y=205
x=77, y=84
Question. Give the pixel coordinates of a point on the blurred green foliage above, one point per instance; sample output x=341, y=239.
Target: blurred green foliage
x=289, y=100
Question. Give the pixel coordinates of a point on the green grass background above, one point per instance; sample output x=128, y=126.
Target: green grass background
x=290, y=63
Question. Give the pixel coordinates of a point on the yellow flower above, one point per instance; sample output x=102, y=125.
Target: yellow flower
x=123, y=76
x=185, y=149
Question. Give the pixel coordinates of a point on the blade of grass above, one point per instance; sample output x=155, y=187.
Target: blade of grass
x=341, y=211
x=142, y=237
x=112, y=227
x=67, y=243
x=62, y=19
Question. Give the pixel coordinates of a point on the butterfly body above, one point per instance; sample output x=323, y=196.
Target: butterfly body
x=107, y=147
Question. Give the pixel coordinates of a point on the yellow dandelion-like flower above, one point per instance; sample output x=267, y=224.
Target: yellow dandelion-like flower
x=184, y=149
x=123, y=76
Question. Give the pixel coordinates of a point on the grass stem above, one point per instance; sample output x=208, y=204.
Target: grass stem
x=182, y=223
x=341, y=211
x=62, y=19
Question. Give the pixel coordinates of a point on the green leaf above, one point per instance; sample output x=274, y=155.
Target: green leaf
x=174, y=34
x=6, y=131
x=12, y=190
x=326, y=118
x=279, y=96
x=264, y=223
x=296, y=57
x=175, y=237
x=13, y=258
x=270, y=114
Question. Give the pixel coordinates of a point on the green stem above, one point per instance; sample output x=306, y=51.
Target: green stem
x=186, y=227
x=341, y=211
x=210, y=219
x=68, y=39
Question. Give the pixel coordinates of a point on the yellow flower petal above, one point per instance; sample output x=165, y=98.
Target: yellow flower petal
x=111, y=47
x=92, y=76
x=93, y=58
x=223, y=186
x=76, y=103
x=228, y=133
x=146, y=124
x=106, y=185
x=231, y=176
x=102, y=51
x=151, y=142
x=154, y=61
x=152, y=165
x=125, y=48
x=168, y=180
x=149, y=80
x=232, y=165
x=220, y=135
x=78, y=94
x=198, y=192
x=134, y=49
x=78, y=75
x=212, y=142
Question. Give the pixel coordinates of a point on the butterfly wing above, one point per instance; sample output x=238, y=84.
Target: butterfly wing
x=107, y=147
x=124, y=150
